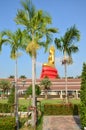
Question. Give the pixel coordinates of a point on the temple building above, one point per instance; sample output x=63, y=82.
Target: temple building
x=57, y=89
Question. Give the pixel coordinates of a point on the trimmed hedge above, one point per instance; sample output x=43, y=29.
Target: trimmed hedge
x=5, y=108
x=61, y=109
x=7, y=123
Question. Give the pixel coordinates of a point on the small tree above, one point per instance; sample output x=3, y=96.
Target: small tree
x=11, y=77
x=5, y=86
x=45, y=83
x=22, y=77
x=83, y=97
x=37, y=90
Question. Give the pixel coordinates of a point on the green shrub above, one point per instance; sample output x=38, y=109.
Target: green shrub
x=7, y=123
x=29, y=90
x=5, y=108
x=22, y=108
x=83, y=115
x=61, y=109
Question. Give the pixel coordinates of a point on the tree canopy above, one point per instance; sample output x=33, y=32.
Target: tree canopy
x=37, y=90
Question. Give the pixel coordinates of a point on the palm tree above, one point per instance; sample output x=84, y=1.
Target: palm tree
x=67, y=46
x=45, y=83
x=15, y=40
x=36, y=23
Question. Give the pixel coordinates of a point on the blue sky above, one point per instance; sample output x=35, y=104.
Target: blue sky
x=64, y=13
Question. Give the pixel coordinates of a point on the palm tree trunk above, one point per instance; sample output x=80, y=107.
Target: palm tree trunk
x=65, y=65
x=16, y=96
x=33, y=90
x=65, y=68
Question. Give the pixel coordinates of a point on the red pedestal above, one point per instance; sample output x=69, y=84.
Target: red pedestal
x=50, y=72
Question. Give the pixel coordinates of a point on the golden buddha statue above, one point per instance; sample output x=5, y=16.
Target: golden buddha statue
x=51, y=58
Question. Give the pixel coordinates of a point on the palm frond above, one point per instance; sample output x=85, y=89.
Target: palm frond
x=53, y=30
x=58, y=43
x=2, y=39
x=66, y=44
x=22, y=18
x=72, y=35
x=72, y=49
x=29, y=7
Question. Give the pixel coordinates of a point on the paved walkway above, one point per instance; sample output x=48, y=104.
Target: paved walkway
x=61, y=123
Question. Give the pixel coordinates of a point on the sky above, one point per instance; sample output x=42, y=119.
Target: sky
x=64, y=14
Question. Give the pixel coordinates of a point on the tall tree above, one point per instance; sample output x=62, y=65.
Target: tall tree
x=15, y=40
x=36, y=23
x=66, y=45
x=83, y=97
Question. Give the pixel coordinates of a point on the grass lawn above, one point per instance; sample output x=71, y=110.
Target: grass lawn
x=75, y=101
x=27, y=102
x=3, y=100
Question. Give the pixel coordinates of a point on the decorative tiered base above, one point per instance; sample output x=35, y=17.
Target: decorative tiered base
x=50, y=72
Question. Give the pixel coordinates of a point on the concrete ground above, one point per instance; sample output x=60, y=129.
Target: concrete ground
x=61, y=123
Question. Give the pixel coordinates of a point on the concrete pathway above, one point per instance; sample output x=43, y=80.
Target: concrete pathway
x=61, y=123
